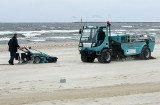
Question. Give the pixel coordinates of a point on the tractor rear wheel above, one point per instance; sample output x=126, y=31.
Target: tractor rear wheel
x=36, y=60
x=105, y=56
x=145, y=54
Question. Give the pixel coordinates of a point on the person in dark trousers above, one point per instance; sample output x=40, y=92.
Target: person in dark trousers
x=101, y=36
x=13, y=46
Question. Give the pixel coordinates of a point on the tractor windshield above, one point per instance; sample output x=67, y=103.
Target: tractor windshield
x=88, y=35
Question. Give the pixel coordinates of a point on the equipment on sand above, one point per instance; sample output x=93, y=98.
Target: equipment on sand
x=98, y=42
x=36, y=57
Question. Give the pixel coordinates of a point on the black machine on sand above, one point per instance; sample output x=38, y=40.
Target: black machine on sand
x=35, y=57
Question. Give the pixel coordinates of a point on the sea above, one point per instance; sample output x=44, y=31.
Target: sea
x=62, y=32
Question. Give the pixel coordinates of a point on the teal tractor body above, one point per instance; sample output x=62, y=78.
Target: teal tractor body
x=37, y=57
x=97, y=42
x=43, y=58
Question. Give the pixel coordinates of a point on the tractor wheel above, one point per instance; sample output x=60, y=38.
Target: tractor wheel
x=105, y=56
x=145, y=54
x=91, y=59
x=36, y=60
x=87, y=59
x=84, y=58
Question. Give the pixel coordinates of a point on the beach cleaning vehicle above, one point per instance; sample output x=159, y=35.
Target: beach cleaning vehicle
x=109, y=47
x=35, y=57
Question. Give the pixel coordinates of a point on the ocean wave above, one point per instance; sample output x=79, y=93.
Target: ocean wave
x=153, y=29
x=59, y=38
x=119, y=30
x=42, y=39
x=37, y=33
x=4, y=39
x=5, y=32
x=7, y=39
x=127, y=26
x=38, y=40
x=75, y=34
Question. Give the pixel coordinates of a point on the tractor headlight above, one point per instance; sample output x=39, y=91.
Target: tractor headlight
x=80, y=44
x=84, y=27
x=93, y=45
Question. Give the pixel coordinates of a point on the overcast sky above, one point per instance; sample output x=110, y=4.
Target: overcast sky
x=74, y=10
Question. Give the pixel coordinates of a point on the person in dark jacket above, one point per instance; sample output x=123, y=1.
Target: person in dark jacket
x=13, y=46
x=101, y=36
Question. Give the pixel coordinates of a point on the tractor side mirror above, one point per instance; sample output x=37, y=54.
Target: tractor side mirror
x=80, y=31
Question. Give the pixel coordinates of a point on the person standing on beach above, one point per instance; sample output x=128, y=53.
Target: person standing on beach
x=13, y=46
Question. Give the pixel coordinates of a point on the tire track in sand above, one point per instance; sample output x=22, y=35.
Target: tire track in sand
x=97, y=92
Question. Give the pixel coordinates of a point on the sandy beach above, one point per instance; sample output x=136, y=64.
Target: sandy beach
x=129, y=82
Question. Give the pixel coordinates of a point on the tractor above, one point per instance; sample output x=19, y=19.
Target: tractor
x=98, y=42
x=35, y=57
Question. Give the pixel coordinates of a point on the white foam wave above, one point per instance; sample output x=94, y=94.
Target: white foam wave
x=76, y=34
x=119, y=30
x=59, y=38
x=30, y=33
x=63, y=31
x=153, y=29
x=5, y=32
x=128, y=26
x=47, y=38
x=38, y=40
x=4, y=39
x=152, y=33
x=36, y=33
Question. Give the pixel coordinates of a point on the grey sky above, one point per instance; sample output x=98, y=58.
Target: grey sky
x=74, y=10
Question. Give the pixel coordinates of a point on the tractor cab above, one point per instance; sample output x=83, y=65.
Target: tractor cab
x=93, y=39
x=88, y=36
x=93, y=36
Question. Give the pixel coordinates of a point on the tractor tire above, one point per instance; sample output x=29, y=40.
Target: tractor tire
x=105, y=56
x=87, y=59
x=145, y=54
x=91, y=59
x=84, y=58
x=36, y=60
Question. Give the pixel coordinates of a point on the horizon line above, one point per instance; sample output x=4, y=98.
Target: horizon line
x=92, y=22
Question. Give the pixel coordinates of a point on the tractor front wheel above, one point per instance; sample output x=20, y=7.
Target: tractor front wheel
x=36, y=60
x=105, y=56
x=87, y=59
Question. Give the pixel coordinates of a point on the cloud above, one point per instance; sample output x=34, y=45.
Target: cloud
x=74, y=17
x=96, y=16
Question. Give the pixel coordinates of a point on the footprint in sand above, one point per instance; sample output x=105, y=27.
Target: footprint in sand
x=16, y=88
x=7, y=82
